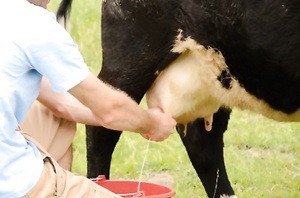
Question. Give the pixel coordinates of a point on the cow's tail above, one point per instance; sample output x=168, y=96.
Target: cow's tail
x=63, y=12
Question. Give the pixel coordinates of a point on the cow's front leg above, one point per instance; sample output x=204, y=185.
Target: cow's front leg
x=205, y=150
x=100, y=143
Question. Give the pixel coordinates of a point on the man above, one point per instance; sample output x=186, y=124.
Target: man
x=32, y=45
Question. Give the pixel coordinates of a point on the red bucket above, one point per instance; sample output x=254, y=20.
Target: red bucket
x=128, y=188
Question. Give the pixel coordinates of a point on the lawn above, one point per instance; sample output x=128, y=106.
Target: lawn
x=262, y=156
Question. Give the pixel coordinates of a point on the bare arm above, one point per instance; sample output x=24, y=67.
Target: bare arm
x=115, y=110
x=64, y=105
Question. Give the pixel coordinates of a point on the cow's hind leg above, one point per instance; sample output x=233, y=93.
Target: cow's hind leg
x=205, y=150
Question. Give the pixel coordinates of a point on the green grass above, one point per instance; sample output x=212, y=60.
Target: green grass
x=262, y=156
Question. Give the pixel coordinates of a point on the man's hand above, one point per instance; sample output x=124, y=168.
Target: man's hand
x=164, y=127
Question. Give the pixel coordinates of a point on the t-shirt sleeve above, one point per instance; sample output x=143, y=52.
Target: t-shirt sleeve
x=53, y=53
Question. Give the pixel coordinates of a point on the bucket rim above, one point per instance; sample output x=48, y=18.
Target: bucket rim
x=168, y=191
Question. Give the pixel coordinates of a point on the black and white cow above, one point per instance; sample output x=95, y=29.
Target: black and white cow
x=244, y=53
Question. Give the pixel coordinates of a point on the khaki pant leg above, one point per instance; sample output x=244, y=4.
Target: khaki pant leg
x=54, y=134
x=78, y=186
x=46, y=186
x=57, y=182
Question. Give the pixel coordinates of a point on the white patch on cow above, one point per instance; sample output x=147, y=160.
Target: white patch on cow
x=188, y=88
x=175, y=90
x=228, y=196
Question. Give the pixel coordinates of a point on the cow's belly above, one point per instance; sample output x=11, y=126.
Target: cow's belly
x=183, y=89
x=190, y=87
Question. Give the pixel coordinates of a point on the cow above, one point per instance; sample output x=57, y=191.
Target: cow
x=254, y=64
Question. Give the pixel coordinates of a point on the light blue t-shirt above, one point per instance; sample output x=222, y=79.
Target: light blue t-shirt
x=32, y=44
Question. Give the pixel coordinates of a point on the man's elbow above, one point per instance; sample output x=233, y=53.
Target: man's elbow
x=108, y=117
